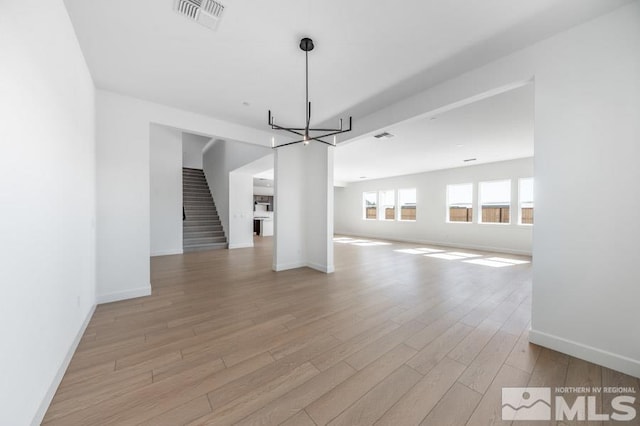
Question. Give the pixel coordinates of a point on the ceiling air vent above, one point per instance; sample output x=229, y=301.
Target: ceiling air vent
x=383, y=135
x=204, y=12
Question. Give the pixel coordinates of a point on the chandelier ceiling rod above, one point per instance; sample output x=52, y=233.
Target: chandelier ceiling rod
x=306, y=44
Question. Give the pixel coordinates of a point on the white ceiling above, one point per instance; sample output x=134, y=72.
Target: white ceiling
x=494, y=129
x=368, y=53
x=262, y=182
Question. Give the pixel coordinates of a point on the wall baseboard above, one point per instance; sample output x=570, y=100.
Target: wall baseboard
x=327, y=269
x=597, y=356
x=240, y=245
x=441, y=244
x=166, y=252
x=286, y=266
x=46, y=401
x=123, y=295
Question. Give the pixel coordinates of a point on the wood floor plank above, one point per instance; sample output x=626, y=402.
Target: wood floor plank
x=379, y=347
x=524, y=354
x=183, y=414
x=206, y=362
x=330, y=405
x=293, y=402
x=257, y=397
x=434, y=352
x=62, y=409
x=414, y=406
x=300, y=419
x=147, y=402
x=344, y=350
x=489, y=410
x=466, y=351
x=374, y=403
x=454, y=408
x=481, y=372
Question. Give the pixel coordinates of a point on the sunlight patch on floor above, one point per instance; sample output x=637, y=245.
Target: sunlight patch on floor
x=359, y=242
x=491, y=263
x=445, y=256
x=437, y=253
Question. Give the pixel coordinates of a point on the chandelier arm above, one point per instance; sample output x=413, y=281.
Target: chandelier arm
x=287, y=129
x=326, y=130
x=302, y=129
x=334, y=131
x=338, y=132
x=301, y=141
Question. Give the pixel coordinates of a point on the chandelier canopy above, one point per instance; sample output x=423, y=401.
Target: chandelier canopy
x=308, y=133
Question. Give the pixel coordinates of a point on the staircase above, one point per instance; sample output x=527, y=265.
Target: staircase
x=202, y=229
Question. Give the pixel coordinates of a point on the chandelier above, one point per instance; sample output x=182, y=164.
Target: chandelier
x=308, y=133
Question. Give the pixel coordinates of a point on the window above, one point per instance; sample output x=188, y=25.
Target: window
x=407, y=204
x=526, y=201
x=495, y=201
x=460, y=203
x=370, y=205
x=388, y=205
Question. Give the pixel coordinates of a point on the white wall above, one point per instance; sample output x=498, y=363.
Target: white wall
x=586, y=287
x=123, y=186
x=303, y=222
x=220, y=158
x=47, y=194
x=587, y=100
x=192, y=147
x=431, y=225
x=165, y=166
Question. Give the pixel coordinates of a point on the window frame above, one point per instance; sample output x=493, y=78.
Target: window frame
x=364, y=205
x=448, y=204
x=381, y=209
x=533, y=201
x=480, y=202
x=399, y=207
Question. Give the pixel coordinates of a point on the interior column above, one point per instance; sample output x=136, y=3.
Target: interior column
x=303, y=197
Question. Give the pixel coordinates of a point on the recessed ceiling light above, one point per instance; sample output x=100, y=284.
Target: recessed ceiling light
x=459, y=145
x=469, y=159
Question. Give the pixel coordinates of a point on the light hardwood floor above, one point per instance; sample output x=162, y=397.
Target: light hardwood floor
x=390, y=338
